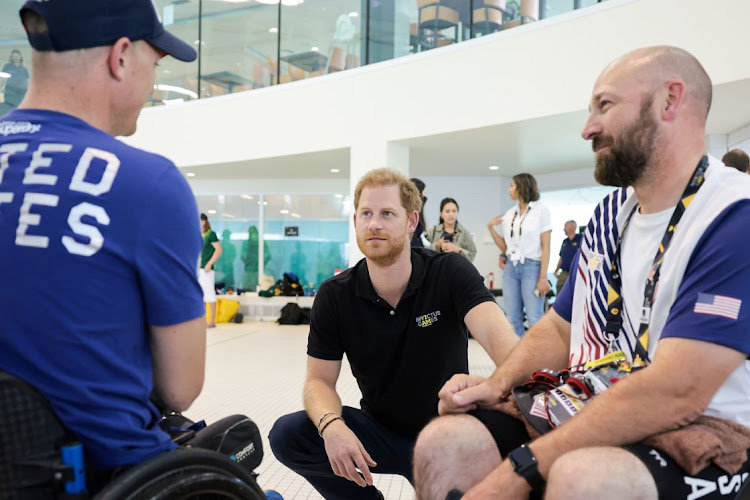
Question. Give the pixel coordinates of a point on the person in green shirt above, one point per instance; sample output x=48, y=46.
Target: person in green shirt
x=209, y=255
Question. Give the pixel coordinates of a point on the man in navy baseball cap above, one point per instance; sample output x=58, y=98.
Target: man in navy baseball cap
x=82, y=24
x=113, y=228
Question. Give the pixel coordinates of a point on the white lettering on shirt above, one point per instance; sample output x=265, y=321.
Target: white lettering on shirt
x=96, y=240
x=26, y=219
x=7, y=150
x=78, y=183
x=38, y=160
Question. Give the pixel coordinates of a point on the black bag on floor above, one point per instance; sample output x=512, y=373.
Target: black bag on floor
x=293, y=314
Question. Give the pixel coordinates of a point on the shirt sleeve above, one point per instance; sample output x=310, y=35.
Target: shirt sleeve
x=713, y=301
x=167, y=252
x=324, y=340
x=467, y=285
x=212, y=238
x=545, y=220
x=563, y=304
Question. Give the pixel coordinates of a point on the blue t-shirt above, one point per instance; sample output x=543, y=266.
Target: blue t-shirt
x=567, y=250
x=98, y=241
x=719, y=266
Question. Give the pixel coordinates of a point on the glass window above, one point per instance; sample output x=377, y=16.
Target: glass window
x=15, y=57
x=402, y=27
x=238, y=46
x=307, y=235
x=319, y=37
x=557, y=7
x=177, y=81
x=236, y=221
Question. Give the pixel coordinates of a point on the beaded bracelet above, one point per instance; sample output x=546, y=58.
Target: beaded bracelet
x=320, y=421
x=320, y=431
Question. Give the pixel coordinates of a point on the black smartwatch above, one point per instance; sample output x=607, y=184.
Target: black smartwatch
x=525, y=465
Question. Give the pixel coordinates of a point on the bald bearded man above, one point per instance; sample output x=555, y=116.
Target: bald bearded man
x=679, y=227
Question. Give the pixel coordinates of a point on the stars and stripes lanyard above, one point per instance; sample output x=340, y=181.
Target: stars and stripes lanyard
x=614, y=299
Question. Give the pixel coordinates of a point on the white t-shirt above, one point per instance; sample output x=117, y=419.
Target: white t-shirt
x=525, y=242
x=639, y=245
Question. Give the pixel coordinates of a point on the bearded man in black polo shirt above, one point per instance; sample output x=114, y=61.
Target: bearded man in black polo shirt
x=400, y=316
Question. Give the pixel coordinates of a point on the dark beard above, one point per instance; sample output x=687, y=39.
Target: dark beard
x=626, y=162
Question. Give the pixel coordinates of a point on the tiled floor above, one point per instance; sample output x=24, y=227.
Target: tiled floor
x=258, y=369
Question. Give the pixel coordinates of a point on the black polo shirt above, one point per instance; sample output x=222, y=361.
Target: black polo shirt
x=401, y=356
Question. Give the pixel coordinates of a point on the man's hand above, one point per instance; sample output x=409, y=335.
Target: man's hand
x=557, y=272
x=463, y=393
x=346, y=454
x=502, y=482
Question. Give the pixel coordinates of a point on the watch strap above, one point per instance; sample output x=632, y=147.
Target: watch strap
x=526, y=465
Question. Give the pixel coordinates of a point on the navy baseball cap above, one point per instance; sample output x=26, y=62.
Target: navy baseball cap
x=82, y=24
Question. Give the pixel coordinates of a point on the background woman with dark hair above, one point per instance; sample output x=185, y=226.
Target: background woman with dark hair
x=418, y=239
x=525, y=239
x=449, y=235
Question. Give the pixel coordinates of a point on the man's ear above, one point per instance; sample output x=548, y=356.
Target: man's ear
x=674, y=101
x=413, y=221
x=119, y=54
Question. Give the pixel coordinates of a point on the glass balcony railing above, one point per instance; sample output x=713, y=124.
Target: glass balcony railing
x=250, y=44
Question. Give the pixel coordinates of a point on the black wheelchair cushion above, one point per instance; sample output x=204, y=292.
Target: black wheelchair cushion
x=30, y=439
x=237, y=437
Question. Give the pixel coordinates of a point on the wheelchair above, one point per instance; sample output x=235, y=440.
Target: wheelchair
x=34, y=465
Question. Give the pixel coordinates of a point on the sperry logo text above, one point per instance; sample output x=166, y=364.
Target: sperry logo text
x=8, y=128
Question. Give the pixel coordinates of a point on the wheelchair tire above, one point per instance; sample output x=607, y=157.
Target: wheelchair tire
x=198, y=486
x=186, y=473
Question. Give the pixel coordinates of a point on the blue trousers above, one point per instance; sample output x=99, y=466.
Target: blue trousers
x=519, y=283
x=296, y=444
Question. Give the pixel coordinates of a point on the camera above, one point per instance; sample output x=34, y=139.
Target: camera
x=448, y=236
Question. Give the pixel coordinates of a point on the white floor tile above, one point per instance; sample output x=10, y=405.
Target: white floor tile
x=258, y=369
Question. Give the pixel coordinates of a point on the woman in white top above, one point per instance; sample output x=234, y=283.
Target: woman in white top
x=525, y=239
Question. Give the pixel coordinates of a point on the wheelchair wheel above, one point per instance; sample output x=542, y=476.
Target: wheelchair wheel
x=183, y=474
x=193, y=485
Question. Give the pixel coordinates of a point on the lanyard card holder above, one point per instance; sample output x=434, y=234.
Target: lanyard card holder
x=551, y=398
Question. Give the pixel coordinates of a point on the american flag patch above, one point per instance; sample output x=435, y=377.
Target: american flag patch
x=717, y=305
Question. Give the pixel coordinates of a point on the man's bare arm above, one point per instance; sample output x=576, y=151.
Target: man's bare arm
x=319, y=393
x=178, y=355
x=545, y=345
x=345, y=452
x=489, y=326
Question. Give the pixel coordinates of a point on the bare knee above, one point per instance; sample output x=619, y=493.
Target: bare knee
x=611, y=473
x=452, y=452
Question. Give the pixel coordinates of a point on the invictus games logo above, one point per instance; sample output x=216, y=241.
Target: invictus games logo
x=427, y=319
x=8, y=128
